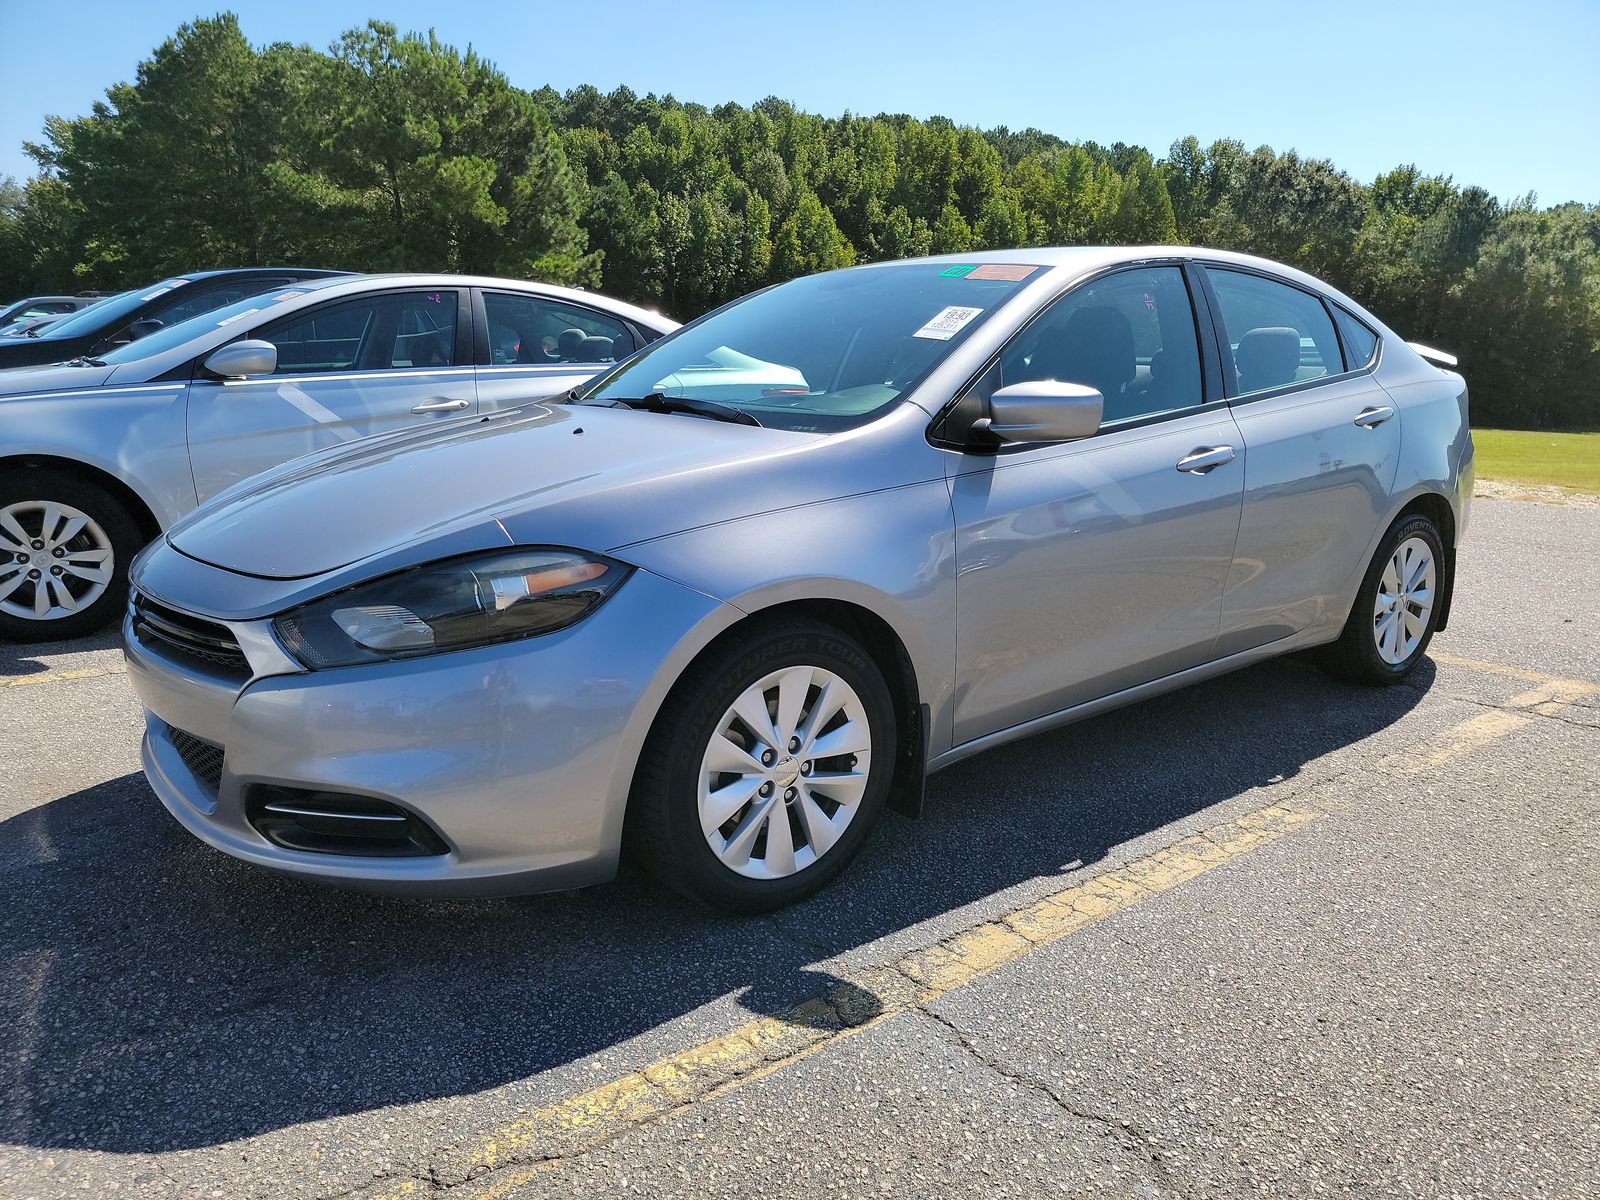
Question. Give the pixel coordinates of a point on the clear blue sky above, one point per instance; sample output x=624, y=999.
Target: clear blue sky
x=1498, y=94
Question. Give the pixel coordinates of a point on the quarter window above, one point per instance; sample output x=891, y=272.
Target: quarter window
x=532, y=330
x=1277, y=334
x=373, y=333
x=1131, y=335
x=1360, y=343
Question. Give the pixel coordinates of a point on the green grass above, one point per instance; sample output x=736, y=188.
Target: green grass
x=1566, y=460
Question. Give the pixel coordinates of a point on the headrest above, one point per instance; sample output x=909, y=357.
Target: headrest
x=1267, y=357
x=594, y=349
x=1095, y=348
x=568, y=341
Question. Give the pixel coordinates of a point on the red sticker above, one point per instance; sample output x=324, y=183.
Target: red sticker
x=1003, y=272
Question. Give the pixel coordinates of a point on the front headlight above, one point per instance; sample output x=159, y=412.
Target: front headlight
x=450, y=605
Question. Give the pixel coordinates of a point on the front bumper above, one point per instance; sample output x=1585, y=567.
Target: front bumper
x=519, y=756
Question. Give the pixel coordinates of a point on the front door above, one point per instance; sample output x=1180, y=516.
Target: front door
x=346, y=369
x=1093, y=566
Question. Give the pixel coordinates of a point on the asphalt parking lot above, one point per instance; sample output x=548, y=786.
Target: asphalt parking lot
x=1271, y=935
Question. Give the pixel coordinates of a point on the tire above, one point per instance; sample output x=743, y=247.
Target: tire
x=69, y=539
x=1374, y=649
x=837, y=797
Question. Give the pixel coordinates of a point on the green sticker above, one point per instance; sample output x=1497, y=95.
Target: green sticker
x=958, y=272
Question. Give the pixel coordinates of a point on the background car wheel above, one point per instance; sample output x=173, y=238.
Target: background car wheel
x=1396, y=609
x=766, y=769
x=64, y=550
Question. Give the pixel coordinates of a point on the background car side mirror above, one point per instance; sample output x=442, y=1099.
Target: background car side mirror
x=238, y=360
x=1043, y=410
x=144, y=328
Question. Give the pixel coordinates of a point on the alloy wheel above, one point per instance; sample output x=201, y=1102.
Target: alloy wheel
x=54, y=560
x=785, y=772
x=1404, y=603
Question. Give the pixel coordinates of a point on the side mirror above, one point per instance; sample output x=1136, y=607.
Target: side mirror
x=238, y=360
x=1043, y=410
x=144, y=328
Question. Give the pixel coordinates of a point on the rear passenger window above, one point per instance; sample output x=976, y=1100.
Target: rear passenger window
x=1131, y=335
x=1360, y=343
x=1278, y=334
x=531, y=330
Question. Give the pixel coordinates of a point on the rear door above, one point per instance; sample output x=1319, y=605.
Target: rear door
x=1323, y=442
x=530, y=346
x=346, y=369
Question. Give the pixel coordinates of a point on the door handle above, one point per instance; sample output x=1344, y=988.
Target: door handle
x=1369, y=418
x=442, y=406
x=1205, y=458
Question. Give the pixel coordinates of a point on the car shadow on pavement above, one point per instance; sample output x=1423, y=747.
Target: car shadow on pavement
x=159, y=995
x=26, y=658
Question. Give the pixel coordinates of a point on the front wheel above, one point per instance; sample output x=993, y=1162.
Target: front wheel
x=766, y=770
x=64, y=550
x=1396, y=609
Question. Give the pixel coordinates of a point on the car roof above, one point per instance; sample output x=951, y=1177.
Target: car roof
x=577, y=296
x=311, y=272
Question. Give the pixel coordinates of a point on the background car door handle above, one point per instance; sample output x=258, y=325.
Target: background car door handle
x=1369, y=417
x=1204, y=458
x=441, y=406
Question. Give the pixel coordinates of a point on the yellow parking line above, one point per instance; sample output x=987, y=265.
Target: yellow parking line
x=1466, y=736
x=854, y=1002
x=1489, y=668
x=64, y=676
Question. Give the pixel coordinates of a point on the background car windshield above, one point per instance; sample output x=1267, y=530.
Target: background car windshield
x=185, y=331
x=827, y=352
x=110, y=310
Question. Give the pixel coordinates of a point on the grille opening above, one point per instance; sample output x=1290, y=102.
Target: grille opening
x=191, y=637
x=339, y=823
x=200, y=756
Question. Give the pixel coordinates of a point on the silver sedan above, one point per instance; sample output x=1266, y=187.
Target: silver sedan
x=98, y=455
x=730, y=601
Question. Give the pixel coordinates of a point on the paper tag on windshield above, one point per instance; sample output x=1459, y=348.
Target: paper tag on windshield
x=947, y=323
x=237, y=317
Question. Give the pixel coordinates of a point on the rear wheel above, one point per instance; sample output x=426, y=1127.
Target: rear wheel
x=64, y=550
x=1396, y=609
x=767, y=769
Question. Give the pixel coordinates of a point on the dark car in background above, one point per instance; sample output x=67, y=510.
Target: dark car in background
x=121, y=319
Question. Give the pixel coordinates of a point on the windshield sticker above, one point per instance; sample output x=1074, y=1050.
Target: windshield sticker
x=958, y=272
x=236, y=317
x=162, y=289
x=282, y=296
x=947, y=323
x=1003, y=272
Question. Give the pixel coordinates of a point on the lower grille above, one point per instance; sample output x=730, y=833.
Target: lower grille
x=339, y=823
x=191, y=637
x=201, y=757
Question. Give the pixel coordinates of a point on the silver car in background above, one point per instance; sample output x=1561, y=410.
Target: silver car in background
x=98, y=455
x=738, y=595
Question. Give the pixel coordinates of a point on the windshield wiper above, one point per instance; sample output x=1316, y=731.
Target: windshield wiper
x=662, y=403
x=81, y=361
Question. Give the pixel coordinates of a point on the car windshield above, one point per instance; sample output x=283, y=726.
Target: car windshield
x=822, y=353
x=178, y=333
x=110, y=310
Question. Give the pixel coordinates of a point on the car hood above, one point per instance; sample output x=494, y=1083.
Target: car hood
x=593, y=478
x=25, y=381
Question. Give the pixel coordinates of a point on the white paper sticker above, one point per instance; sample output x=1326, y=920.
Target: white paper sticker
x=236, y=317
x=947, y=323
x=162, y=289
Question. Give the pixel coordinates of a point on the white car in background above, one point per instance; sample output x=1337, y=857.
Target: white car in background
x=98, y=455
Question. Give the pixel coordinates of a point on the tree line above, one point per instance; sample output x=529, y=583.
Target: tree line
x=398, y=152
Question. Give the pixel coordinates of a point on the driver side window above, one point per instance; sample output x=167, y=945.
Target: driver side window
x=1131, y=335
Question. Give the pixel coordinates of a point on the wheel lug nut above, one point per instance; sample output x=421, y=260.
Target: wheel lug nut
x=766, y=789
x=805, y=767
x=789, y=794
x=59, y=552
x=55, y=570
x=794, y=743
x=767, y=758
x=33, y=574
x=37, y=544
x=22, y=558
